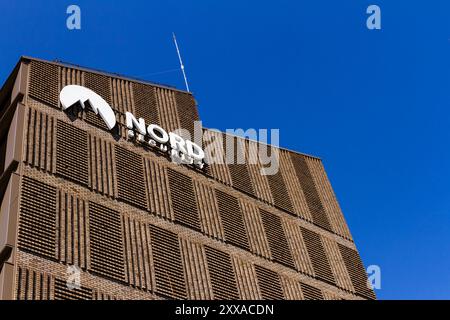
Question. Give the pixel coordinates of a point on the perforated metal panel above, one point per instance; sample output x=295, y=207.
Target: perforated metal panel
x=239, y=172
x=310, y=292
x=183, y=199
x=317, y=255
x=106, y=242
x=223, y=279
x=100, y=84
x=43, y=83
x=269, y=283
x=72, y=159
x=62, y=292
x=130, y=177
x=279, y=192
x=187, y=111
x=145, y=103
x=232, y=220
x=356, y=271
x=169, y=275
x=37, y=220
x=309, y=190
x=276, y=236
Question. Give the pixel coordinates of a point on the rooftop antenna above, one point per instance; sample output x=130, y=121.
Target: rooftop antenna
x=181, y=61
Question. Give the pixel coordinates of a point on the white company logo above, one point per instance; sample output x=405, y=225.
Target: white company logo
x=73, y=94
x=180, y=150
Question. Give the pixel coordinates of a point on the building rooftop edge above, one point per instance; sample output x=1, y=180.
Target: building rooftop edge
x=106, y=73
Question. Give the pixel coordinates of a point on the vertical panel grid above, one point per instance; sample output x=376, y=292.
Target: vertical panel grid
x=183, y=199
x=122, y=101
x=72, y=235
x=246, y=279
x=101, y=175
x=33, y=285
x=195, y=267
x=37, y=222
x=169, y=275
x=209, y=211
x=39, y=151
x=167, y=111
x=232, y=220
x=157, y=189
x=72, y=153
x=106, y=243
x=222, y=275
x=137, y=250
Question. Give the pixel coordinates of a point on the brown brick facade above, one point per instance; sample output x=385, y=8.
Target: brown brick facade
x=142, y=227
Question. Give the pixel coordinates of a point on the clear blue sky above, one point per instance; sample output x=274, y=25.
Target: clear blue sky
x=373, y=104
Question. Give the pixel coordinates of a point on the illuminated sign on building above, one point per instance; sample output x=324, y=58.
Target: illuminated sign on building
x=180, y=150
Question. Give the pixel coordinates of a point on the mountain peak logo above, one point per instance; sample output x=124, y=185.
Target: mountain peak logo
x=72, y=95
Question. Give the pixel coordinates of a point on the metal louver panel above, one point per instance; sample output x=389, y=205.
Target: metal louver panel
x=315, y=206
x=356, y=271
x=62, y=292
x=276, y=236
x=72, y=159
x=130, y=177
x=223, y=279
x=318, y=256
x=279, y=192
x=43, y=83
x=183, y=199
x=187, y=112
x=37, y=221
x=145, y=103
x=232, y=220
x=239, y=171
x=269, y=284
x=106, y=242
x=101, y=85
x=169, y=275
x=311, y=293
